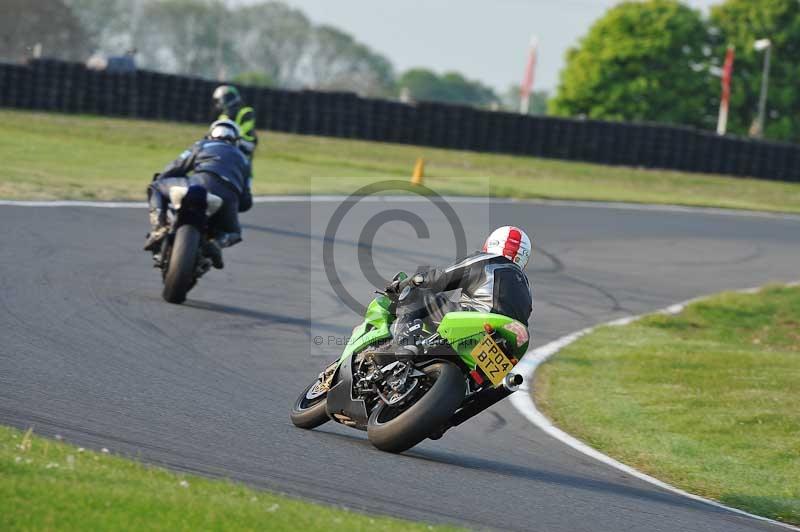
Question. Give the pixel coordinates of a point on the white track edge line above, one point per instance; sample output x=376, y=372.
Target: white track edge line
x=523, y=402
x=653, y=207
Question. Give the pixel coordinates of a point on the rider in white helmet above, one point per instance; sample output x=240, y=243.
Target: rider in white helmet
x=491, y=280
x=510, y=242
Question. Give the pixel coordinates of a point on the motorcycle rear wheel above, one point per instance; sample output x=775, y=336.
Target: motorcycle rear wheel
x=179, y=278
x=397, y=431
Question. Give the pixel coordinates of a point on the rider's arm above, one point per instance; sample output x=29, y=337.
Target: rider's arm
x=436, y=279
x=444, y=280
x=247, y=126
x=182, y=165
x=246, y=201
x=248, y=141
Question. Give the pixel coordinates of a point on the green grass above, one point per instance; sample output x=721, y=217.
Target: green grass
x=51, y=156
x=50, y=485
x=707, y=400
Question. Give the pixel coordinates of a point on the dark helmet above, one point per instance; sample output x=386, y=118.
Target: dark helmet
x=226, y=97
x=225, y=130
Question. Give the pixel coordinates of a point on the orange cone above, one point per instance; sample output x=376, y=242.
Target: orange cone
x=419, y=172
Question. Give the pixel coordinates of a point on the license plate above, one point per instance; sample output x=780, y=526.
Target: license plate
x=491, y=359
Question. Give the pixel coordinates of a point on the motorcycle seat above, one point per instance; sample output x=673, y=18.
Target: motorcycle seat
x=177, y=193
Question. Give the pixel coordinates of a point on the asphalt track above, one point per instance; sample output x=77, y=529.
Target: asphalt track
x=90, y=351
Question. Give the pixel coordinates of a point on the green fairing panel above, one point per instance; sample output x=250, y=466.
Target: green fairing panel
x=374, y=328
x=463, y=330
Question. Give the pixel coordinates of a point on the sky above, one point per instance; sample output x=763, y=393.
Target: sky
x=483, y=39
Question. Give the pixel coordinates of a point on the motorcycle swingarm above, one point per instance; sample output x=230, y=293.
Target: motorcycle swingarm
x=475, y=404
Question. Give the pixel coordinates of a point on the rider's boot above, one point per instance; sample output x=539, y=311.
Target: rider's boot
x=158, y=227
x=405, y=340
x=226, y=240
x=213, y=251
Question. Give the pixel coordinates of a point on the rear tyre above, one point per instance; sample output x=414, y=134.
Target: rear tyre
x=309, y=411
x=179, y=278
x=396, y=431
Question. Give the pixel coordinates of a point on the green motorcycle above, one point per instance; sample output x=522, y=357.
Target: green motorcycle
x=441, y=376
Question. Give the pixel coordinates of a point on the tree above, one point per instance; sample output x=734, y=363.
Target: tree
x=740, y=23
x=422, y=85
x=272, y=38
x=108, y=23
x=538, y=103
x=187, y=37
x=336, y=61
x=254, y=78
x=206, y=38
x=51, y=23
x=462, y=90
x=640, y=61
x=451, y=87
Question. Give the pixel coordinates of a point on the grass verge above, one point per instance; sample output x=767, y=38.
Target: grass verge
x=707, y=400
x=47, y=484
x=52, y=156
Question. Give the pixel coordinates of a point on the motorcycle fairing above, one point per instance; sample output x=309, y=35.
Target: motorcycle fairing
x=340, y=400
x=373, y=329
x=463, y=330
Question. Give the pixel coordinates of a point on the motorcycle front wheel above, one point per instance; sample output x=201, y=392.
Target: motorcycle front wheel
x=309, y=411
x=393, y=430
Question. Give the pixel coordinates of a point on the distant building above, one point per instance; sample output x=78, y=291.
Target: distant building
x=114, y=63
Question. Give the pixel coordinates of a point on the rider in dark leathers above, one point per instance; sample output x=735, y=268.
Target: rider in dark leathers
x=217, y=164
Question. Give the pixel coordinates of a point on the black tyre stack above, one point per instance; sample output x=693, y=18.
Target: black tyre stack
x=52, y=85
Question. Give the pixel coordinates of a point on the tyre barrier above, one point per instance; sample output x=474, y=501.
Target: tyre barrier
x=59, y=86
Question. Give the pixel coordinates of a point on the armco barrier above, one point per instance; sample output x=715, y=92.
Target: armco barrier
x=69, y=87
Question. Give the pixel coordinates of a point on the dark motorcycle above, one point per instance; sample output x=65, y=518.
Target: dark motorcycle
x=182, y=259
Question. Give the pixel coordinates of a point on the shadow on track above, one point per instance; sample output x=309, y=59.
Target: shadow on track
x=530, y=474
x=350, y=243
x=267, y=317
x=560, y=479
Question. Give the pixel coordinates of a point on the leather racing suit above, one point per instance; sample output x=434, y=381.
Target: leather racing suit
x=223, y=170
x=487, y=283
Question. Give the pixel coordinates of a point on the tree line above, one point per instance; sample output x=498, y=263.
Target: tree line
x=660, y=61
x=265, y=43
x=651, y=60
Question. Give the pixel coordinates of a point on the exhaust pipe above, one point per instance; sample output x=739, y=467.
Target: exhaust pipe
x=512, y=382
x=483, y=400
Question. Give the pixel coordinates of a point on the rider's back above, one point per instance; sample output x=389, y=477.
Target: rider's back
x=224, y=160
x=492, y=283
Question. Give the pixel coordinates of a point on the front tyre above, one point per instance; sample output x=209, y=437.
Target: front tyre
x=182, y=262
x=396, y=431
x=309, y=411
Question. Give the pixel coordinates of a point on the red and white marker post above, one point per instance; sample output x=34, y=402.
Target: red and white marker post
x=526, y=87
x=727, y=72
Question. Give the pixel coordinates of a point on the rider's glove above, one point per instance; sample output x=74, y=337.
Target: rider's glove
x=395, y=287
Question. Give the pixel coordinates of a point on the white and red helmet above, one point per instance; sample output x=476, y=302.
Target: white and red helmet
x=510, y=242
